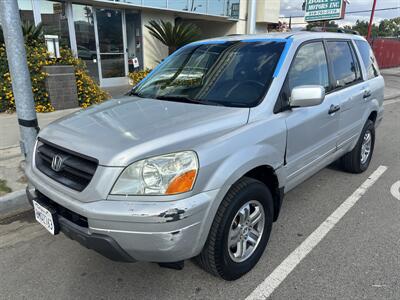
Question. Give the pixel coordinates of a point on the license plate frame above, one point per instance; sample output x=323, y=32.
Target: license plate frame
x=46, y=216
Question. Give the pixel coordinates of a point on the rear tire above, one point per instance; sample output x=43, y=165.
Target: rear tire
x=222, y=254
x=357, y=161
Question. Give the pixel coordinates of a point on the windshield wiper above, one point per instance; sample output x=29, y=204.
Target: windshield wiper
x=136, y=94
x=187, y=100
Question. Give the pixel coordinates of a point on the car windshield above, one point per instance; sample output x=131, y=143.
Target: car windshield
x=234, y=73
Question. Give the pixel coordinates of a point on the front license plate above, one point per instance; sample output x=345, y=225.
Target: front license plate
x=45, y=217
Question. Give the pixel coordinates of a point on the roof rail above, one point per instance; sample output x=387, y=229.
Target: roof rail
x=350, y=31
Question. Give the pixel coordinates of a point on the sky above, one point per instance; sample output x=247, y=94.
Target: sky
x=293, y=7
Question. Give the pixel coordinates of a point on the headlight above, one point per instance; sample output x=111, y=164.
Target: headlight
x=161, y=175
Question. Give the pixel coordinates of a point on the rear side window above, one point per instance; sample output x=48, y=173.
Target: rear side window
x=368, y=59
x=345, y=68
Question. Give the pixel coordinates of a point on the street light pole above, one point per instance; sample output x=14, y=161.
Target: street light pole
x=20, y=78
x=371, y=20
x=251, y=16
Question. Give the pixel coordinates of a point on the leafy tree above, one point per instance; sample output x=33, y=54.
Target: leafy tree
x=173, y=36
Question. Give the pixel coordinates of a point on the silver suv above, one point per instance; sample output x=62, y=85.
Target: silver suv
x=195, y=161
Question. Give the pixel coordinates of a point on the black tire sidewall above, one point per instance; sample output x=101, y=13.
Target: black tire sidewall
x=368, y=126
x=232, y=270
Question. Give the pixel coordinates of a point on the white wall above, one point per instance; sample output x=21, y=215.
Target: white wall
x=268, y=11
x=153, y=50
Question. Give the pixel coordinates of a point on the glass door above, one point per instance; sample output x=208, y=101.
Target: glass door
x=110, y=46
x=85, y=38
x=134, y=41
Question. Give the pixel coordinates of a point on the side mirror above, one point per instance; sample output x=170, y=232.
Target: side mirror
x=307, y=95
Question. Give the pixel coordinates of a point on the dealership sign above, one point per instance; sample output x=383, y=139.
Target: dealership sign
x=318, y=10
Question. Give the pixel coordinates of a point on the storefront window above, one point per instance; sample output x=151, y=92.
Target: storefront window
x=54, y=21
x=137, y=2
x=26, y=11
x=134, y=40
x=111, y=44
x=233, y=9
x=155, y=3
x=199, y=6
x=217, y=7
x=85, y=37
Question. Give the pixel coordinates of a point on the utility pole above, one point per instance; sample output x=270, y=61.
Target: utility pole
x=371, y=20
x=20, y=77
x=251, y=16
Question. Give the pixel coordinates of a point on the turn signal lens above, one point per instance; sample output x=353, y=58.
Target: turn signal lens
x=182, y=183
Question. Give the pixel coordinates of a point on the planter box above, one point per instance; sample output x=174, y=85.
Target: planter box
x=61, y=86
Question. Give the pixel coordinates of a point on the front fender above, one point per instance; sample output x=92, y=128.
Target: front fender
x=233, y=167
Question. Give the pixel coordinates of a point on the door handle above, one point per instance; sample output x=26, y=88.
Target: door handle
x=333, y=109
x=367, y=93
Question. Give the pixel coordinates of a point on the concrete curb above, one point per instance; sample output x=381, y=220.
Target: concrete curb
x=14, y=203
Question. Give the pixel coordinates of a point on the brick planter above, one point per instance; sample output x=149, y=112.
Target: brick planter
x=61, y=86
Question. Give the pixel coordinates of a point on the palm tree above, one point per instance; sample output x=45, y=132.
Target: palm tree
x=32, y=33
x=173, y=36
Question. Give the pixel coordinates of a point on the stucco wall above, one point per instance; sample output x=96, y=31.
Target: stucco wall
x=268, y=11
x=153, y=50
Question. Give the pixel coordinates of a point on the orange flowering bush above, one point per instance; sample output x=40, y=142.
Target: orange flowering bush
x=37, y=56
x=135, y=77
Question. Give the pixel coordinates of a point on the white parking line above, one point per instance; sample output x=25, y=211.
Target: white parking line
x=267, y=287
x=395, y=190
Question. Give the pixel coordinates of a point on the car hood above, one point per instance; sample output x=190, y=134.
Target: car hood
x=124, y=130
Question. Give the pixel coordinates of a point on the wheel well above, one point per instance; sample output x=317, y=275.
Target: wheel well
x=266, y=175
x=372, y=116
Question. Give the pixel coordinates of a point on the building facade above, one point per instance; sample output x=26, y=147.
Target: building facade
x=111, y=37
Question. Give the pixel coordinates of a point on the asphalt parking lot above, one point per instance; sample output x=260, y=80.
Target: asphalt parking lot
x=358, y=257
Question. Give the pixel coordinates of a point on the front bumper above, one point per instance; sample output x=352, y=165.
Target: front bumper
x=135, y=230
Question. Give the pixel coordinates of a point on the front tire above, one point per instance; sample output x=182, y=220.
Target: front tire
x=357, y=161
x=240, y=230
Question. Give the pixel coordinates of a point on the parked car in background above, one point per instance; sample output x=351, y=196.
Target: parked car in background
x=195, y=162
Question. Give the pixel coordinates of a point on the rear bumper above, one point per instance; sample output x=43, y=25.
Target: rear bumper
x=153, y=231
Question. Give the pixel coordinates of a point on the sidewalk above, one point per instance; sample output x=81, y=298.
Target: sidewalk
x=392, y=80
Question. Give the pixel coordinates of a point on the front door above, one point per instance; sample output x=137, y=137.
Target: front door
x=311, y=131
x=111, y=46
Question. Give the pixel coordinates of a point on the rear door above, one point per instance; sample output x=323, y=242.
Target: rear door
x=311, y=131
x=349, y=90
x=373, y=83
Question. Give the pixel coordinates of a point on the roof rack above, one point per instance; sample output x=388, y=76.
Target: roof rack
x=341, y=30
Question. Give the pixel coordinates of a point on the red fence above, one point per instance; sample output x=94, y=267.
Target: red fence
x=387, y=52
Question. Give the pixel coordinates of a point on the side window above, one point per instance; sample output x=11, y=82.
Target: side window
x=309, y=67
x=345, y=68
x=368, y=59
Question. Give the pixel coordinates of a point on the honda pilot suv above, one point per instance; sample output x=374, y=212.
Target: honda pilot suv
x=195, y=161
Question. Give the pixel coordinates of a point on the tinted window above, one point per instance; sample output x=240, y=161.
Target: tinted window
x=368, y=58
x=231, y=74
x=344, y=63
x=309, y=67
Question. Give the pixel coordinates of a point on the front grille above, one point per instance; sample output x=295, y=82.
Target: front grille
x=76, y=171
